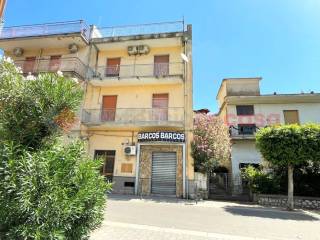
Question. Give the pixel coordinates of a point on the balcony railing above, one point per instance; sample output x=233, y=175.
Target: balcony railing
x=243, y=130
x=70, y=65
x=142, y=29
x=46, y=30
x=141, y=70
x=135, y=116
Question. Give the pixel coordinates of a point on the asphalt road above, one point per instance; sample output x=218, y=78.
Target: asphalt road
x=158, y=218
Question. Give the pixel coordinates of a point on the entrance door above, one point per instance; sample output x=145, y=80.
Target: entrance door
x=164, y=170
x=109, y=105
x=108, y=157
x=161, y=65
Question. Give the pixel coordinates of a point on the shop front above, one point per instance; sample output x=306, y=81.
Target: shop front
x=161, y=164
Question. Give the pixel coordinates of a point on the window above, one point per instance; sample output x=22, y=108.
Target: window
x=54, y=63
x=161, y=65
x=126, y=168
x=243, y=110
x=108, y=157
x=129, y=184
x=160, y=107
x=113, y=67
x=29, y=65
x=246, y=129
x=291, y=116
x=108, y=111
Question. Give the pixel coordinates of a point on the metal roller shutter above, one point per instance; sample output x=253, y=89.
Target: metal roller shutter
x=164, y=168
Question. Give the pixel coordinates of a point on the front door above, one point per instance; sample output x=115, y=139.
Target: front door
x=109, y=105
x=108, y=158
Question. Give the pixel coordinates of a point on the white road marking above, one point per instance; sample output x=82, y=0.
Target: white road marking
x=183, y=231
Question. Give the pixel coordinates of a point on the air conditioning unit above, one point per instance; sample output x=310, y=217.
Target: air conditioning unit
x=132, y=50
x=73, y=48
x=130, y=150
x=143, y=49
x=18, y=52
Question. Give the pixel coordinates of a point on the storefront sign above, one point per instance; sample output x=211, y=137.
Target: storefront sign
x=161, y=137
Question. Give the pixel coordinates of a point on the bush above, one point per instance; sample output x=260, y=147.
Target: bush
x=48, y=190
x=52, y=193
x=260, y=182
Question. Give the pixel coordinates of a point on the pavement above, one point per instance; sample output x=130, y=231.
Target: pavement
x=169, y=218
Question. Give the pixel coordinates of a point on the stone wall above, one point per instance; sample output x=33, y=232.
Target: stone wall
x=281, y=201
x=145, y=167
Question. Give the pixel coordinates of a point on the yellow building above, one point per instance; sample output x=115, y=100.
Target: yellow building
x=137, y=112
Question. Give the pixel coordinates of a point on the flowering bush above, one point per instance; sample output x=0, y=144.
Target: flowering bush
x=211, y=143
x=48, y=189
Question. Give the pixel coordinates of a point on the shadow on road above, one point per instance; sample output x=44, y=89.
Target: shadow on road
x=155, y=199
x=269, y=213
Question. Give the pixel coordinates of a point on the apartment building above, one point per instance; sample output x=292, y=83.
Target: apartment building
x=137, y=111
x=246, y=110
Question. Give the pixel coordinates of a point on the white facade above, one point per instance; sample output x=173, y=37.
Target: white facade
x=267, y=110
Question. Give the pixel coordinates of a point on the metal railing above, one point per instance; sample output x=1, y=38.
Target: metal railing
x=136, y=116
x=142, y=29
x=243, y=130
x=141, y=70
x=46, y=29
x=67, y=65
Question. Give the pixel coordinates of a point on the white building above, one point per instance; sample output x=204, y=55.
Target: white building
x=245, y=110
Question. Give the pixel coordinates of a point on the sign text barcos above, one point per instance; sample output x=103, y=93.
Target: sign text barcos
x=161, y=137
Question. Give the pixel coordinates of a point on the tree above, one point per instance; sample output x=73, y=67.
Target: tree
x=211, y=144
x=48, y=189
x=290, y=146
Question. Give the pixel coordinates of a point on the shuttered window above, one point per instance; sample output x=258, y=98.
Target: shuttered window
x=291, y=116
x=160, y=104
x=29, y=64
x=113, y=67
x=161, y=65
x=109, y=105
x=54, y=63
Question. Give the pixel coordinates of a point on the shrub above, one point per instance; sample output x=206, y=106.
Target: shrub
x=48, y=190
x=261, y=182
x=211, y=144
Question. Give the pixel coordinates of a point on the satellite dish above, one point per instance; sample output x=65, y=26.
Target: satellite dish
x=184, y=57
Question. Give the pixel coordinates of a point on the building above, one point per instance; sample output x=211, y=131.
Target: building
x=245, y=110
x=137, y=112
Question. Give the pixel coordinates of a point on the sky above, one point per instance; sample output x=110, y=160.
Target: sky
x=278, y=40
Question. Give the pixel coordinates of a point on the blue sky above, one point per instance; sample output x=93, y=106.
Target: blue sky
x=278, y=40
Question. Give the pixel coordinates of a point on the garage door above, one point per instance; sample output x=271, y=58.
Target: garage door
x=164, y=168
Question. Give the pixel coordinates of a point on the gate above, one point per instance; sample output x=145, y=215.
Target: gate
x=218, y=183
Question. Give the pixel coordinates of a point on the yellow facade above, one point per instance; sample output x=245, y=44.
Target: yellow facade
x=134, y=85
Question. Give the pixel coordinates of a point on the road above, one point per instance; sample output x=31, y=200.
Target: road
x=159, y=218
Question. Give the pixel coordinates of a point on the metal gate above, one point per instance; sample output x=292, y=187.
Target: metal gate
x=218, y=183
x=164, y=168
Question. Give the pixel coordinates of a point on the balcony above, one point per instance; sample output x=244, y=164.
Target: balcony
x=58, y=35
x=47, y=29
x=160, y=73
x=69, y=66
x=134, y=117
x=243, y=131
x=142, y=29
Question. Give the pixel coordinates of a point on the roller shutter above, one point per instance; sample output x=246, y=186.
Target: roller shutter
x=164, y=168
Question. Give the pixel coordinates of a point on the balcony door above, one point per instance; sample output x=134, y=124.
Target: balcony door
x=109, y=105
x=160, y=104
x=29, y=64
x=54, y=63
x=161, y=65
x=113, y=67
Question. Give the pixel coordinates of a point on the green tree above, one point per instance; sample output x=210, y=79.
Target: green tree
x=211, y=143
x=290, y=146
x=48, y=189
